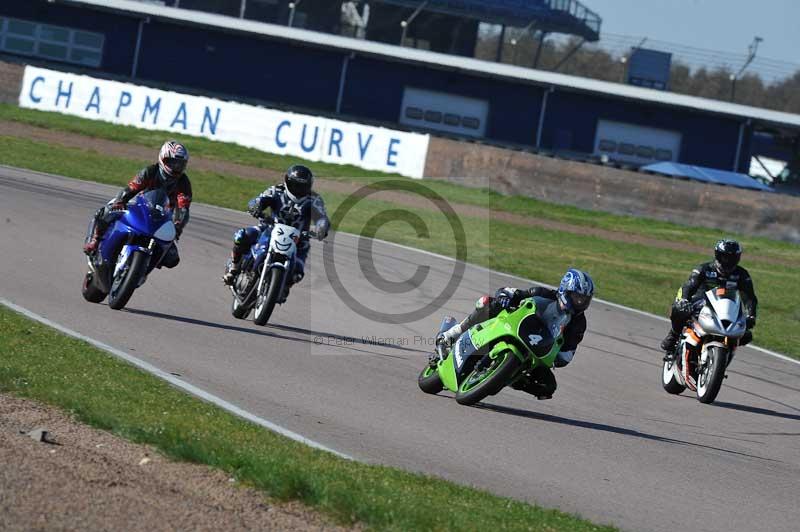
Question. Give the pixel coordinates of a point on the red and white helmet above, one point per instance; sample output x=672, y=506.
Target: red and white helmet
x=173, y=158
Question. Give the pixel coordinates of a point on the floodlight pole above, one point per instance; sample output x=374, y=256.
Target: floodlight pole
x=570, y=54
x=407, y=22
x=292, y=7
x=514, y=42
x=501, y=40
x=542, y=37
x=242, y=7
x=751, y=54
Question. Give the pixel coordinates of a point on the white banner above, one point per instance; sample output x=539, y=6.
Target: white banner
x=308, y=137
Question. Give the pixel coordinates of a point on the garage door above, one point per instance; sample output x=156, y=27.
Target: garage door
x=444, y=112
x=635, y=144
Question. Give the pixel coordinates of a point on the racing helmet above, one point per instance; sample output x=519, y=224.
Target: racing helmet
x=575, y=291
x=727, y=254
x=172, y=159
x=298, y=182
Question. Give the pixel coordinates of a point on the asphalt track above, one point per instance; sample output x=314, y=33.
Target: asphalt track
x=611, y=446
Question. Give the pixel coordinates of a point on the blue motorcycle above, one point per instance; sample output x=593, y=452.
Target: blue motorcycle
x=130, y=249
x=265, y=271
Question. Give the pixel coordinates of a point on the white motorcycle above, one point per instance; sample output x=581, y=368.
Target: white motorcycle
x=265, y=272
x=707, y=345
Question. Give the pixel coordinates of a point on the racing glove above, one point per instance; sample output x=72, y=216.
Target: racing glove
x=506, y=297
x=321, y=229
x=563, y=358
x=751, y=322
x=683, y=306
x=254, y=207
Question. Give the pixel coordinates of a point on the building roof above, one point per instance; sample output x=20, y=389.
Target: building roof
x=569, y=16
x=469, y=65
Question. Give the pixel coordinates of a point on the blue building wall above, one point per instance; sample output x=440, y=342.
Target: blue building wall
x=571, y=122
x=374, y=90
x=293, y=74
x=120, y=30
x=241, y=65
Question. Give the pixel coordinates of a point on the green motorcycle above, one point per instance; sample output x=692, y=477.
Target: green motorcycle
x=498, y=352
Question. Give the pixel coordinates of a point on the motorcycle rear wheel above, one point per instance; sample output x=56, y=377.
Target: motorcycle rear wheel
x=710, y=376
x=265, y=303
x=129, y=280
x=483, y=382
x=238, y=310
x=90, y=291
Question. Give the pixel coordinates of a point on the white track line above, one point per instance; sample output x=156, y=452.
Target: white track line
x=178, y=383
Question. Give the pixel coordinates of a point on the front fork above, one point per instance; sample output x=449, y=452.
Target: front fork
x=269, y=265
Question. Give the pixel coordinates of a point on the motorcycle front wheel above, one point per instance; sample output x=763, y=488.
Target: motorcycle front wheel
x=489, y=377
x=265, y=302
x=124, y=283
x=711, y=374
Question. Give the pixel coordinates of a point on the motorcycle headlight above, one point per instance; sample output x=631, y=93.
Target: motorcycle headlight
x=166, y=232
x=737, y=328
x=707, y=320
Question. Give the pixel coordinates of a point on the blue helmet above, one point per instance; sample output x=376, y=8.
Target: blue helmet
x=575, y=291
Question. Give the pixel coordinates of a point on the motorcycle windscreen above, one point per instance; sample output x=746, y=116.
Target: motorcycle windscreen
x=462, y=353
x=148, y=211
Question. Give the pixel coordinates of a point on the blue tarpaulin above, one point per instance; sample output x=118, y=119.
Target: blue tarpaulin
x=709, y=175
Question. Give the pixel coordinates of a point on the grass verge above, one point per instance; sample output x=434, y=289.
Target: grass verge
x=632, y=274
x=42, y=364
x=756, y=246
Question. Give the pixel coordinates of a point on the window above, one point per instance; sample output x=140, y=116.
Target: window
x=664, y=155
x=471, y=122
x=627, y=149
x=452, y=120
x=433, y=116
x=645, y=152
x=51, y=42
x=608, y=145
x=415, y=113
x=441, y=111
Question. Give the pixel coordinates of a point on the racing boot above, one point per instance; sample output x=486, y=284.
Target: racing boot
x=90, y=247
x=540, y=386
x=296, y=278
x=668, y=345
x=233, y=269
x=449, y=336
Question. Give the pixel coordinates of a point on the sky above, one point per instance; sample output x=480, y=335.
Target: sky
x=725, y=25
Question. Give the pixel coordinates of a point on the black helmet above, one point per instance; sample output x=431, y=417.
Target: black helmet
x=298, y=181
x=726, y=255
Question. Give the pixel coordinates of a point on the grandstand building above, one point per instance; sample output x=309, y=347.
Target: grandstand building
x=414, y=88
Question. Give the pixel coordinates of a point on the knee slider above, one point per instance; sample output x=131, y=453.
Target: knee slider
x=482, y=302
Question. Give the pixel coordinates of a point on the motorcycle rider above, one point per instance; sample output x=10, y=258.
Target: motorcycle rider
x=574, y=294
x=294, y=203
x=718, y=273
x=167, y=173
